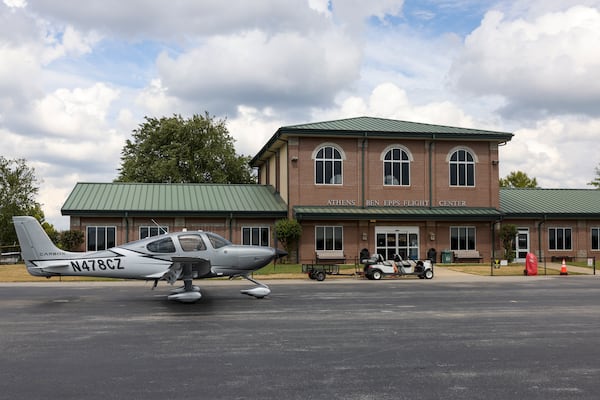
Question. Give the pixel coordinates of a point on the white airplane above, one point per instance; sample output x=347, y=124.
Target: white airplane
x=170, y=257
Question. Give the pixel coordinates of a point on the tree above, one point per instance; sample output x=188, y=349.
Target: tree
x=508, y=233
x=18, y=189
x=288, y=232
x=596, y=181
x=196, y=150
x=518, y=179
x=71, y=240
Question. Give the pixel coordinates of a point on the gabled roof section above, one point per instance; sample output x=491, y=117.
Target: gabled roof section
x=382, y=128
x=554, y=203
x=174, y=199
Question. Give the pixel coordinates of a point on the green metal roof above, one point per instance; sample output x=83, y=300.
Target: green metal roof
x=383, y=128
x=404, y=213
x=383, y=125
x=555, y=203
x=157, y=198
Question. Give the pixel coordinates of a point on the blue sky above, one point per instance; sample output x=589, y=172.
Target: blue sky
x=78, y=77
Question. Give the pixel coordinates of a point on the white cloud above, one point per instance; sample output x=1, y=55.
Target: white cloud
x=559, y=152
x=15, y=3
x=252, y=128
x=390, y=101
x=76, y=112
x=549, y=63
x=256, y=68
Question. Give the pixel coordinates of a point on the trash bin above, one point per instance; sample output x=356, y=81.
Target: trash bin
x=447, y=257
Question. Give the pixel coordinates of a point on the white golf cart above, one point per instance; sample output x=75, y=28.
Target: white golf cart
x=376, y=267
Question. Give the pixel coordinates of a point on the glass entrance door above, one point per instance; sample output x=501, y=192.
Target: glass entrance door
x=403, y=241
x=522, y=244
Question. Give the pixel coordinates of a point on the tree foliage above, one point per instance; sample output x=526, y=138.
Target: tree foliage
x=18, y=190
x=518, y=179
x=288, y=232
x=508, y=233
x=71, y=240
x=596, y=181
x=177, y=150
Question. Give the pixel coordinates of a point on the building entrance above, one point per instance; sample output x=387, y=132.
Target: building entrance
x=522, y=244
x=401, y=240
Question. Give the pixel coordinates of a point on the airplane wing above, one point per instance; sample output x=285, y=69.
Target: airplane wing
x=200, y=268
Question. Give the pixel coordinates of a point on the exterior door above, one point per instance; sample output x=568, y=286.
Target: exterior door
x=403, y=241
x=522, y=244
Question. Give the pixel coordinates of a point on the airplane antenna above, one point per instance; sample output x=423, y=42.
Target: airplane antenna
x=160, y=228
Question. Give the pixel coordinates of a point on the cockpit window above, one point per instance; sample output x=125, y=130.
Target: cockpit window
x=161, y=246
x=217, y=241
x=191, y=243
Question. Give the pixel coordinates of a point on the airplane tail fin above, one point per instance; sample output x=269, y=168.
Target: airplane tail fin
x=35, y=243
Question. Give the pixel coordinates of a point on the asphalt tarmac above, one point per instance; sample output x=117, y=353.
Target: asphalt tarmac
x=448, y=338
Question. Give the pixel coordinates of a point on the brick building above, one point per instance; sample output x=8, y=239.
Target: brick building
x=389, y=186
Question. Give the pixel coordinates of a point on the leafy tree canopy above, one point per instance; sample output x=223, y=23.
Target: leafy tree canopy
x=18, y=190
x=177, y=150
x=288, y=232
x=518, y=179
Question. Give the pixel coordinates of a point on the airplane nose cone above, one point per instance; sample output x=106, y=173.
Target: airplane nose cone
x=280, y=253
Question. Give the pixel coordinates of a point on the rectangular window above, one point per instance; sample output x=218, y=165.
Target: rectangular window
x=149, y=231
x=559, y=239
x=462, y=238
x=595, y=238
x=101, y=237
x=329, y=238
x=255, y=235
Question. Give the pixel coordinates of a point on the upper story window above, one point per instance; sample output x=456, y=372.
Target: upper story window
x=396, y=166
x=328, y=165
x=462, y=168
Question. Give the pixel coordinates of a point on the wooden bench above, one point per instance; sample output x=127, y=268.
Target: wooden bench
x=329, y=255
x=467, y=255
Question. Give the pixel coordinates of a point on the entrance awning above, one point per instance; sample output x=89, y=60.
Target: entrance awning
x=397, y=213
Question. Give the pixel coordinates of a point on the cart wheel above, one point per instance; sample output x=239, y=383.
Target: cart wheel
x=428, y=274
x=376, y=274
x=320, y=276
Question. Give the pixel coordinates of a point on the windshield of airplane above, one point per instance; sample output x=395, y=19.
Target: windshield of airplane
x=217, y=241
x=165, y=245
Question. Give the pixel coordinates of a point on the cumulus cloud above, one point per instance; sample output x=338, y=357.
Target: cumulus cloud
x=387, y=100
x=282, y=70
x=559, y=152
x=545, y=64
x=71, y=113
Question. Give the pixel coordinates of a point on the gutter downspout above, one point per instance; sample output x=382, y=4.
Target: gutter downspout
x=362, y=166
x=540, y=241
x=430, y=171
x=493, y=260
x=126, y=227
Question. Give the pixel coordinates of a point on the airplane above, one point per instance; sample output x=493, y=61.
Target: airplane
x=169, y=257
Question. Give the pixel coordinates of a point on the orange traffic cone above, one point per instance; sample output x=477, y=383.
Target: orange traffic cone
x=563, y=268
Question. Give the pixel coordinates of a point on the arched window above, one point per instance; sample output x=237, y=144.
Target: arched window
x=328, y=166
x=396, y=167
x=462, y=168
